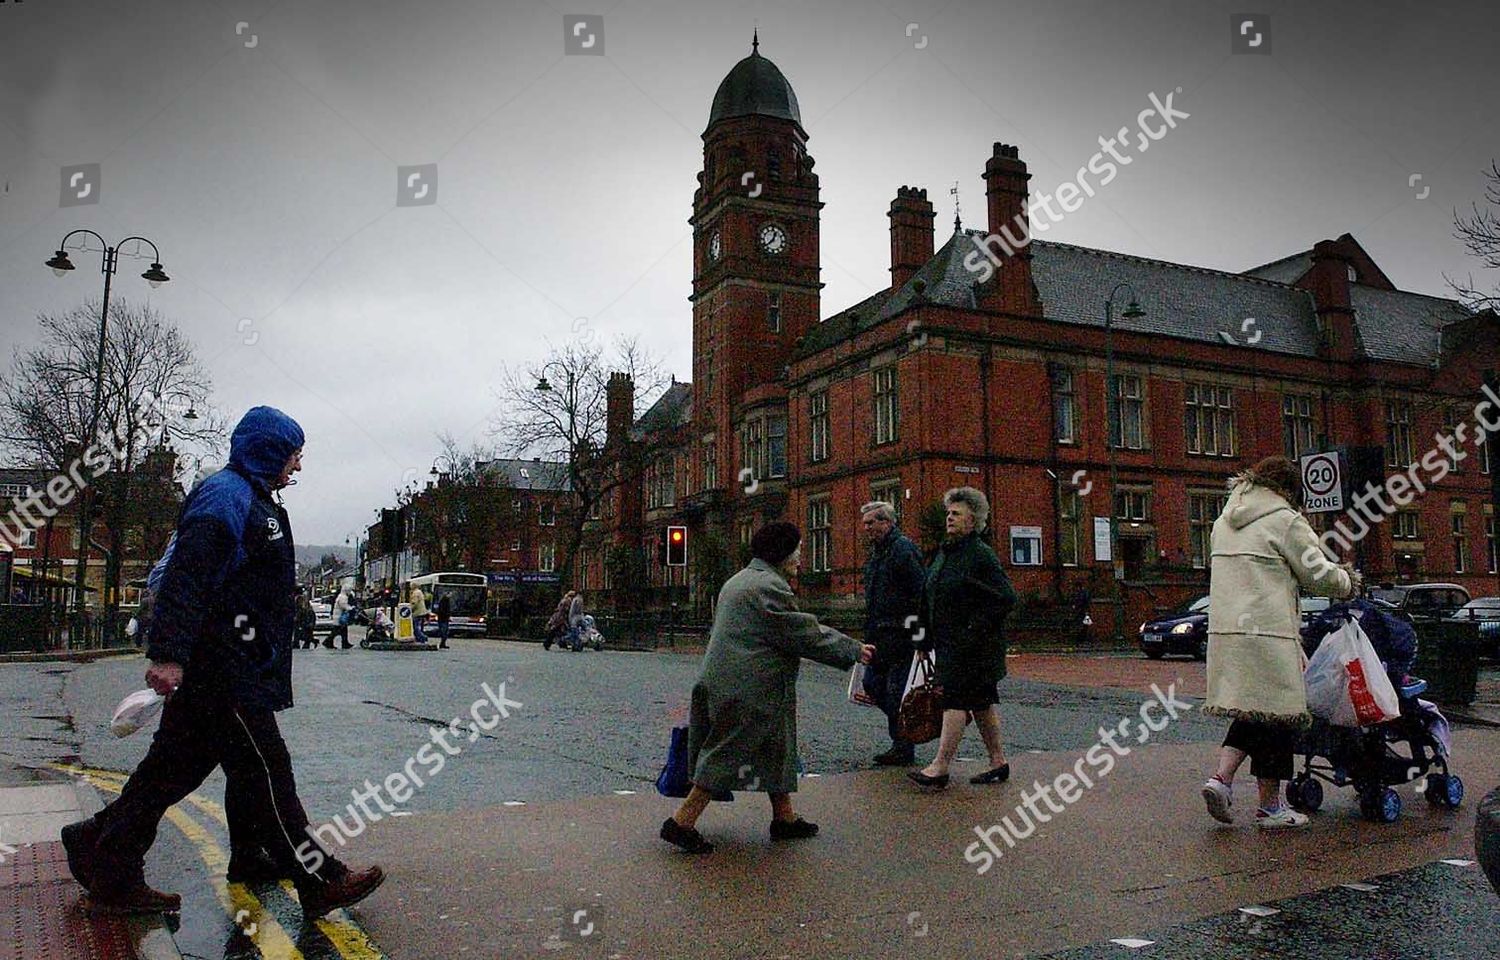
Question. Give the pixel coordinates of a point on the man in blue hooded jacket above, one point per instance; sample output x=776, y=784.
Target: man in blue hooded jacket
x=220, y=646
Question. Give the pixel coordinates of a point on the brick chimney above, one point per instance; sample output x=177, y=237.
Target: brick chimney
x=1008, y=246
x=911, y=234
x=1328, y=281
x=619, y=408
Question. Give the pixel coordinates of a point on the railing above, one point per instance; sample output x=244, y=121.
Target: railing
x=34, y=628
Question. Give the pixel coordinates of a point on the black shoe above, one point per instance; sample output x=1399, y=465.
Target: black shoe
x=79, y=840
x=998, y=775
x=346, y=891
x=690, y=841
x=252, y=867
x=923, y=779
x=136, y=899
x=896, y=757
x=797, y=829
x=443, y=646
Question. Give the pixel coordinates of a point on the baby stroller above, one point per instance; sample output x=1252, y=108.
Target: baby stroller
x=1376, y=758
x=585, y=635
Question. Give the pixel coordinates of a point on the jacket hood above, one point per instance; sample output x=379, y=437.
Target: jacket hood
x=1249, y=501
x=263, y=441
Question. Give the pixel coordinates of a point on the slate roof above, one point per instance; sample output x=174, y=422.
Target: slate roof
x=673, y=408
x=1181, y=301
x=1286, y=270
x=1396, y=325
x=532, y=474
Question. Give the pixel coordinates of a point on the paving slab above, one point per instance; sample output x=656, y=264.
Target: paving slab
x=888, y=877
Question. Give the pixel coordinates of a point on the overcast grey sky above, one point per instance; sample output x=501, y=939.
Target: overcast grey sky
x=257, y=144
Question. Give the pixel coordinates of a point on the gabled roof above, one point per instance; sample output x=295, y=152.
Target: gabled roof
x=845, y=324
x=672, y=409
x=1401, y=326
x=1186, y=302
x=532, y=474
x=1286, y=270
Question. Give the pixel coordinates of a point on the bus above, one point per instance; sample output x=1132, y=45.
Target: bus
x=466, y=593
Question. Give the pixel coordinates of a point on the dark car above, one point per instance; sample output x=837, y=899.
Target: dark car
x=1423, y=600
x=1184, y=632
x=1486, y=610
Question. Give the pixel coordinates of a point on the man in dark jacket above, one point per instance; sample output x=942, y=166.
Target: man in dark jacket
x=894, y=579
x=220, y=646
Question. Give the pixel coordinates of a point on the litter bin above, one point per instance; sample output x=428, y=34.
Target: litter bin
x=1448, y=659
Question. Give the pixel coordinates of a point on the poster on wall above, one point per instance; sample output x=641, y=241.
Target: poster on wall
x=1026, y=546
x=1102, y=553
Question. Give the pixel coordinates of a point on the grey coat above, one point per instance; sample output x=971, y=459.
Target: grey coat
x=742, y=732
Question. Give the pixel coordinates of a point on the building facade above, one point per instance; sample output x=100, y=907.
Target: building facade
x=984, y=363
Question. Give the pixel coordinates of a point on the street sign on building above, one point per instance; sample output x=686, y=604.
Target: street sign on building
x=1322, y=482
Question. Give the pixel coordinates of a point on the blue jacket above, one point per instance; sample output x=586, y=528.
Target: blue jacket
x=226, y=605
x=894, y=579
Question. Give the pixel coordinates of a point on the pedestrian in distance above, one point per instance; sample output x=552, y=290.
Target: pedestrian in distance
x=343, y=615
x=1260, y=550
x=894, y=580
x=307, y=622
x=219, y=647
x=419, y=614
x=742, y=726
x=575, y=622
x=444, y=618
x=964, y=606
x=557, y=624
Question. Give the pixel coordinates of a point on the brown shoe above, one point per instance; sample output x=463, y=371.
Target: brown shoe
x=79, y=840
x=348, y=890
x=137, y=899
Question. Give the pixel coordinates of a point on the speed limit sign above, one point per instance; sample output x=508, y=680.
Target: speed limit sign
x=1322, y=483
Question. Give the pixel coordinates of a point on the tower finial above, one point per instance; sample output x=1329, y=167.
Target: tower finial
x=958, y=224
x=755, y=40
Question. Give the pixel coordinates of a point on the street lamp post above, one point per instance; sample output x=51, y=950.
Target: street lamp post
x=154, y=275
x=1112, y=417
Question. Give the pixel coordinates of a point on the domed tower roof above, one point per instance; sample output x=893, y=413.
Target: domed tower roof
x=755, y=87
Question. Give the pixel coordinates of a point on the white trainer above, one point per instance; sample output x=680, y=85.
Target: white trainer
x=1281, y=818
x=1219, y=797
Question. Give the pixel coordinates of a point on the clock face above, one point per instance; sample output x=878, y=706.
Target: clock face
x=715, y=246
x=772, y=239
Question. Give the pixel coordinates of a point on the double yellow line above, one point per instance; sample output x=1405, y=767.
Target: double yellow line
x=239, y=902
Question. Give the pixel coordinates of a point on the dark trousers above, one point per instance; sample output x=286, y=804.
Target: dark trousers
x=885, y=682
x=341, y=631
x=201, y=728
x=443, y=632
x=1269, y=745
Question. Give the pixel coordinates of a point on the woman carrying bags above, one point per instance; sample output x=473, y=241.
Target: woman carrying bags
x=967, y=599
x=743, y=721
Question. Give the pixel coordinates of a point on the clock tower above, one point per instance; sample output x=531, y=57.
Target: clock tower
x=755, y=260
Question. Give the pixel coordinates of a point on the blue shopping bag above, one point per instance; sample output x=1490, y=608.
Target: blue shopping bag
x=673, y=779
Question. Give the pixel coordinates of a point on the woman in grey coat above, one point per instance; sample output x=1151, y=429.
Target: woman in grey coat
x=743, y=724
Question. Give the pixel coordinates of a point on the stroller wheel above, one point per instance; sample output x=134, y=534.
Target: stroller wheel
x=1305, y=793
x=1445, y=790
x=1382, y=806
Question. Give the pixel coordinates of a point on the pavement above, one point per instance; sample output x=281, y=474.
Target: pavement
x=541, y=836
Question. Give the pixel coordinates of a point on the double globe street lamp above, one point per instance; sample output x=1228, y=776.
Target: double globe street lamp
x=154, y=275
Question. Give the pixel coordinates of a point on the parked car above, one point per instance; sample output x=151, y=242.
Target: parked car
x=323, y=610
x=1186, y=632
x=1428, y=600
x=1487, y=611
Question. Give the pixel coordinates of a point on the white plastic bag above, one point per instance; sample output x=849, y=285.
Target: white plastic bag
x=914, y=676
x=857, y=692
x=1346, y=682
x=135, y=711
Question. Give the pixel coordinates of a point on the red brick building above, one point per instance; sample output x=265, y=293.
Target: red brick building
x=954, y=376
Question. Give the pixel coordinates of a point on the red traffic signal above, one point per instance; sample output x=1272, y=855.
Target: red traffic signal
x=675, y=546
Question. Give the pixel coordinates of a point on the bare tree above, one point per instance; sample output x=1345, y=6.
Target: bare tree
x=462, y=515
x=557, y=409
x=1480, y=235
x=152, y=381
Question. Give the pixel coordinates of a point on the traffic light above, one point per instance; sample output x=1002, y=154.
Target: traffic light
x=675, y=546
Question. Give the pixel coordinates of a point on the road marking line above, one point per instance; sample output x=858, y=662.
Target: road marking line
x=1259, y=911
x=1360, y=887
x=1133, y=943
x=344, y=934
x=269, y=938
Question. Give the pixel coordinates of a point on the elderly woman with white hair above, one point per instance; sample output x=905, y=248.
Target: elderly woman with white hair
x=966, y=601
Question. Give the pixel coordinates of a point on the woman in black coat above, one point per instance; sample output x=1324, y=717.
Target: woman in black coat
x=967, y=599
